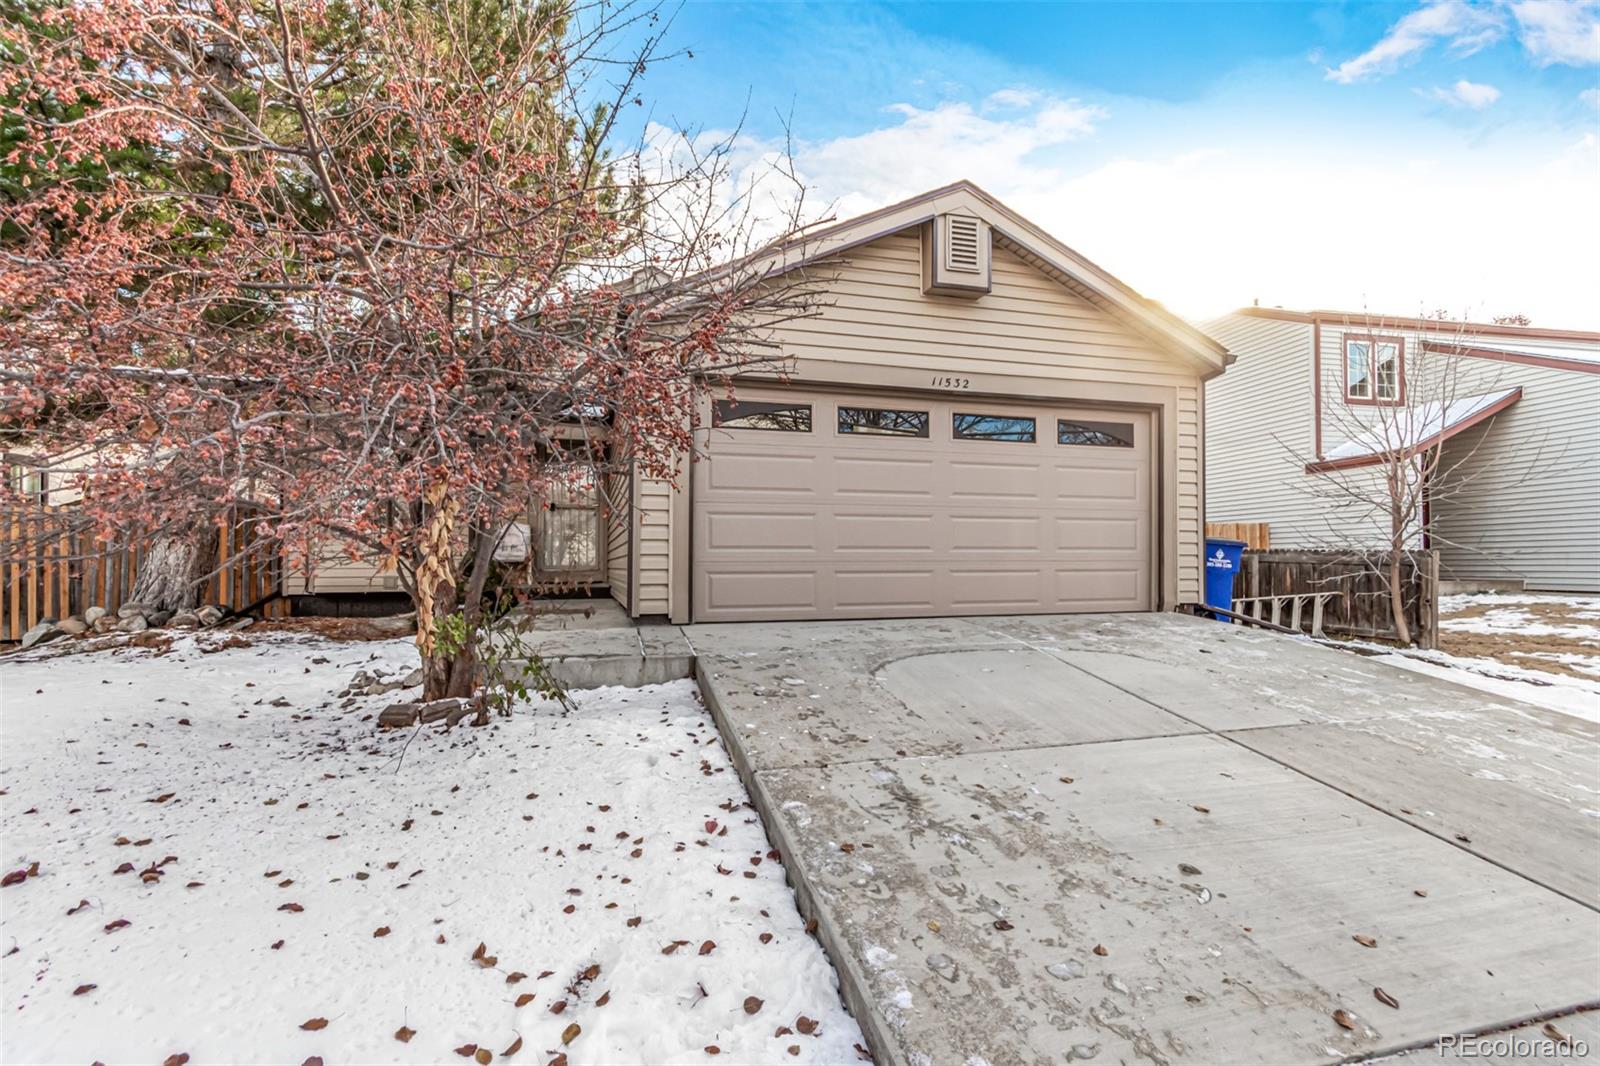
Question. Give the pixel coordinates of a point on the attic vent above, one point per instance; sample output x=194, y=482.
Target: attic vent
x=955, y=255
x=962, y=252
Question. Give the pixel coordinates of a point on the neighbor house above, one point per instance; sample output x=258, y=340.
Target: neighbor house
x=1298, y=431
x=978, y=420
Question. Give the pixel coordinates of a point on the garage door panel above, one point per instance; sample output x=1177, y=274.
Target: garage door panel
x=861, y=475
x=764, y=589
x=826, y=524
x=897, y=533
x=886, y=591
x=759, y=471
x=1076, y=483
x=973, y=481
x=1088, y=533
x=1101, y=588
x=756, y=531
x=995, y=533
x=979, y=590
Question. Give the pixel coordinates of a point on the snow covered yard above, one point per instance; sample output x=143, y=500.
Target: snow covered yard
x=1539, y=648
x=234, y=865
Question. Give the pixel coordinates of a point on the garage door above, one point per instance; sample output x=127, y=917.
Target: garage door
x=833, y=505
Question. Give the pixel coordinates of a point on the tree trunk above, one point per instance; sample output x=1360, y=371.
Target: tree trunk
x=1397, y=597
x=175, y=568
x=437, y=638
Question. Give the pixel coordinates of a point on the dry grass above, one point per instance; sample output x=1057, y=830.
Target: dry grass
x=1528, y=651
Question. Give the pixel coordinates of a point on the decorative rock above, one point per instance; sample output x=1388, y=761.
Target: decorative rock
x=396, y=626
x=134, y=623
x=42, y=633
x=434, y=710
x=209, y=615
x=379, y=688
x=1065, y=970
x=160, y=618
x=413, y=679
x=242, y=622
x=105, y=623
x=128, y=610
x=398, y=716
x=474, y=706
x=72, y=627
x=183, y=620
x=93, y=615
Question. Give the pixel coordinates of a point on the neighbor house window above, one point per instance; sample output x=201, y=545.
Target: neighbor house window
x=993, y=427
x=1095, y=434
x=883, y=421
x=757, y=414
x=29, y=482
x=1374, y=370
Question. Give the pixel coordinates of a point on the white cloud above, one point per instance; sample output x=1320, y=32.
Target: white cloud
x=934, y=146
x=1559, y=31
x=1467, y=27
x=1212, y=228
x=1591, y=97
x=1551, y=31
x=1464, y=93
x=1007, y=98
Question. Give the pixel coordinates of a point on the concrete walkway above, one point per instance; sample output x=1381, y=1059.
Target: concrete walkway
x=1149, y=838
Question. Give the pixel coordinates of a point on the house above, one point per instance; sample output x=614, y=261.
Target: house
x=1298, y=430
x=978, y=420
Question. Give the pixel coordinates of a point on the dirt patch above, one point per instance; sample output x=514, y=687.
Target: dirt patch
x=1555, y=614
x=1530, y=653
x=1525, y=650
x=355, y=629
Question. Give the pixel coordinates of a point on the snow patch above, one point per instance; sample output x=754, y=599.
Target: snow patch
x=308, y=867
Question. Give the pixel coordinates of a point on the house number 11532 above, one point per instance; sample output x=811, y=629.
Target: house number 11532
x=952, y=383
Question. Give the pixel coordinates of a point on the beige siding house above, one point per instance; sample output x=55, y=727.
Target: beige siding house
x=977, y=421
x=1315, y=396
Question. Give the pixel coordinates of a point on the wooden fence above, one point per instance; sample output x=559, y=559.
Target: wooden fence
x=1357, y=603
x=48, y=569
x=1257, y=536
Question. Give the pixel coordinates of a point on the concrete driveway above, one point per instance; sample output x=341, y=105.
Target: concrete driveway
x=1151, y=838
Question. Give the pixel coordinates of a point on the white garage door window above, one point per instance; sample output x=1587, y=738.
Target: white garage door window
x=824, y=505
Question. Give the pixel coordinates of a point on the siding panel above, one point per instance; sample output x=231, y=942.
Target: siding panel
x=652, y=504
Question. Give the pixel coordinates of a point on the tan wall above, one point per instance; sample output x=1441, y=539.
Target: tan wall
x=619, y=540
x=339, y=573
x=651, y=523
x=1030, y=337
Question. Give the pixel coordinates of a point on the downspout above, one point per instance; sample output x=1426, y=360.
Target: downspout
x=1316, y=387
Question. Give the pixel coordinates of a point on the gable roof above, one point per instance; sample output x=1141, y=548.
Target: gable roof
x=1022, y=237
x=1416, y=429
x=1439, y=325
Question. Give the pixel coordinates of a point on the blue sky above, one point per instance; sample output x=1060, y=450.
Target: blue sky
x=1401, y=157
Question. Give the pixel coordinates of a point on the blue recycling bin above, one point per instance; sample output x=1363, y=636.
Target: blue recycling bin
x=1222, y=562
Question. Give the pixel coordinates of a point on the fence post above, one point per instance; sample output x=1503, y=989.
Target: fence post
x=1428, y=607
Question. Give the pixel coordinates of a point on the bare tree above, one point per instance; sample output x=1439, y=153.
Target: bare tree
x=395, y=277
x=1390, y=410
